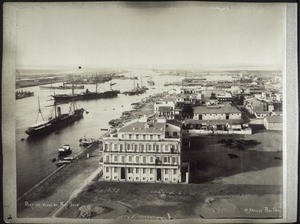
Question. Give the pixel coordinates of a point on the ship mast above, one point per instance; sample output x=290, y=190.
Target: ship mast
x=54, y=105
x=39, y=111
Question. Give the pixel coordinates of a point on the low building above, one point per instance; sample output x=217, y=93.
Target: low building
x=218, y=112
x=165, y=109
x=273, y=122
x=227, y=97
x=143, y=151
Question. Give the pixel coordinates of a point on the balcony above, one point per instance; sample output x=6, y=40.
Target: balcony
x=171, y=152
x=141, y=164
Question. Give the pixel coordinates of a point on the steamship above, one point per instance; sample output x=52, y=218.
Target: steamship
x=87, y=95
x=59, y=121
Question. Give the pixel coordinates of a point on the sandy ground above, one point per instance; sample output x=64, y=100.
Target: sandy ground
x=56, y=190
x=249, y=186
x=209, y=200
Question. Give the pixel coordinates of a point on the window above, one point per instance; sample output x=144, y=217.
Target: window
x=107, y=169
x=122, y=135
x=106, y=147
x=175, y=134
x=174, y=171
x=115, y=169
x=151, y=137
x=137, y=159
x=121, y=147
x=149, y=148
x=137, y=178
x=129, y=171
x=167, y=134
x=158, y=137
x=130, y=159
x=165, y=159
x=115, y=178
x=128, y=147
x=129, y=136
x=144, y=178
x=135, y=147
x=136, y=137
x=173, y=160
x=115, y=158
x=144, y=160
x=115, y=146
x=166, y=148
x=107, y=159
x=142, y=148
x=157, y=148
x=137, y=170
x=144, y=170
x=144, y=137
x=151, y=159
x=123, y=159
x=151, y=171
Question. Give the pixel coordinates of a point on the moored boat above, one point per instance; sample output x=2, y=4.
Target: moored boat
x=64, y=150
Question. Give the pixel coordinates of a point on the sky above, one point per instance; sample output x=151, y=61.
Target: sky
x=176, y=35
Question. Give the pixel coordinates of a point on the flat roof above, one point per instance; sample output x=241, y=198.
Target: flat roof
x=210, y=122
x=144, y=127
x=227, y=108
x=164, y=109
x=274, y=119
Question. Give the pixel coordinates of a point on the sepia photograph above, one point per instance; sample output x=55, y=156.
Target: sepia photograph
x=150, y=111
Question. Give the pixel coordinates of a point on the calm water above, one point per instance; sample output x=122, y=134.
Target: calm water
x=34, y=156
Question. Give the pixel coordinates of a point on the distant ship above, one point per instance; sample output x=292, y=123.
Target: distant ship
x=52, y=124
x=87, y=95
x=136, y=90
x=150, y=82
x=64, y=86
x=23, y=94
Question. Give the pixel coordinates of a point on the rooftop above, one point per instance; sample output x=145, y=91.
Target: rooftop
x=164, y=109
x=274, y=119
x=144, y=127
x=227, y=108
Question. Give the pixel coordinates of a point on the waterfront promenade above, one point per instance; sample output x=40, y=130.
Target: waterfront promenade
x=50, y=195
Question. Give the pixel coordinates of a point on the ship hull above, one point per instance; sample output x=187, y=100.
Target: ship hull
x=85, y=96
x=56, y=124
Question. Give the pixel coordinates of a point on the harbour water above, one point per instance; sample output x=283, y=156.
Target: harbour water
x=34, y=156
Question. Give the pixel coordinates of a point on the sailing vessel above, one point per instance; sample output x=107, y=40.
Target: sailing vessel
x=87, y=95
x=59, y=121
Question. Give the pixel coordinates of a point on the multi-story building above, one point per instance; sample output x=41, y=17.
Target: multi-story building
x=143, y=151
x=165, y=109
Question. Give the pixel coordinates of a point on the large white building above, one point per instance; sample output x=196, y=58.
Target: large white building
x=217, y=112
x=143, y=151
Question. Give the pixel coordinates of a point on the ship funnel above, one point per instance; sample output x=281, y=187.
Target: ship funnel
x=58, y=111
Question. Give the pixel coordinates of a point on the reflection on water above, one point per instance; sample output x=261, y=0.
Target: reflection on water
x=34, y=155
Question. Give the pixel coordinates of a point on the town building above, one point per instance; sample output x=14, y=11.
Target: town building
x=217, y=112
x=227, y=97
x=143, y=151
x=273, y=122
x=190, y=94
x=165, y=109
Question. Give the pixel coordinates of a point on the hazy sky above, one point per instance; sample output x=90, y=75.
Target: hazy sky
x=166, y=35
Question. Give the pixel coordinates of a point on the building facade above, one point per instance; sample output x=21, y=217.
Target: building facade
x=165, y=109
x=218, y=112
x=273, y=123
x=143, y=151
